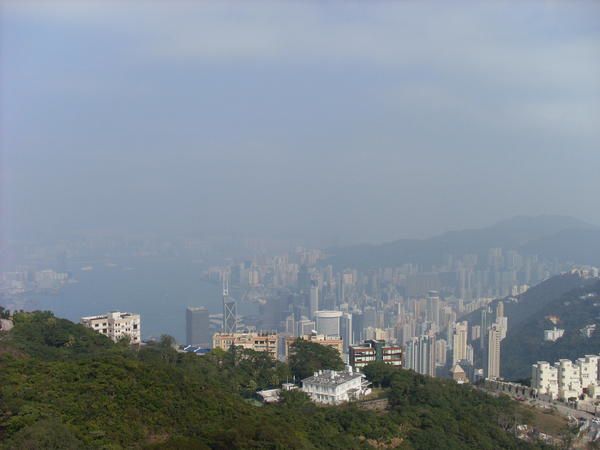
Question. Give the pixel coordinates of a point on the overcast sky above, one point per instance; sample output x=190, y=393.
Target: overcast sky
x=339, y=120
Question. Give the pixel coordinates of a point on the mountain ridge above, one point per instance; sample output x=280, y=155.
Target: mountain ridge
x=514, y=233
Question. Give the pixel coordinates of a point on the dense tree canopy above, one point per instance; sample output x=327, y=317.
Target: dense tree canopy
x=63, y=386
x=307, y=357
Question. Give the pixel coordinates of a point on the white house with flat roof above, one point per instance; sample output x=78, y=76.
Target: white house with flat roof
x=334, y=387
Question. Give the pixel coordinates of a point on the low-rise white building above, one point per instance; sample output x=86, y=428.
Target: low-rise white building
x=553, y=334
x=334, y=387
x=116, y=325
x=588, y=330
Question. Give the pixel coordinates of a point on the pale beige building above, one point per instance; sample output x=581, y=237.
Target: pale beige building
x=337, y=344
x=459, y=342
x=259, y=342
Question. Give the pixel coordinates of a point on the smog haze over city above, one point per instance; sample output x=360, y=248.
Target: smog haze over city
x=338, y=122
x=299, y=225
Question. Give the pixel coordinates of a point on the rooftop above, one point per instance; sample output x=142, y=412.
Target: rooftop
x=332, y=377
x=113, y=314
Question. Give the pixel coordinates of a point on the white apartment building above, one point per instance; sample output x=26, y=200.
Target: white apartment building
x=569, y=381
x=544, y=378
x=332, y=387
x=502, y=326
x=588, y=370
x=494, y=339
x=116, y=325
x=565, y=379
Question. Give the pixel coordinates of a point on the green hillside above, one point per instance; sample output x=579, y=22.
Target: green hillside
x=523, y=312
x=63, y=386
x=524, y=344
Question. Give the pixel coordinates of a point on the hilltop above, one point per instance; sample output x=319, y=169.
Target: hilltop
x=64, y=386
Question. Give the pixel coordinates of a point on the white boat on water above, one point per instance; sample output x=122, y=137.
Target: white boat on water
x=87, y=268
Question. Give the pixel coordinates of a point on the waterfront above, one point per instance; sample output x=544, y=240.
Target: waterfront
x=159, y=289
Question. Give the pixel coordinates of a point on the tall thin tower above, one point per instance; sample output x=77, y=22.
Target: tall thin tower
x=494, y=339
x=229, y=309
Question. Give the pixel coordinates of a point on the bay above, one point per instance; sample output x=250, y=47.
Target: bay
x=160, y=289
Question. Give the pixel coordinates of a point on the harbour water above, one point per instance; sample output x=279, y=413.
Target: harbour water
x=159, y=289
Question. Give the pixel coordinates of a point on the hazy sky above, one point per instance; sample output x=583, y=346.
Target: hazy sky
x=341, y=120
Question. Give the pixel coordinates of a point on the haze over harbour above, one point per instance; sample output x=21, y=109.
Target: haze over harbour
x=159, y=288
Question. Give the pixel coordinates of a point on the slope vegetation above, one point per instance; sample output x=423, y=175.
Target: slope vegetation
x=63, y=386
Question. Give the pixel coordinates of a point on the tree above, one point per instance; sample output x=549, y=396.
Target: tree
x=380, y=373
x=308, y=357
x=47, y=434
x=4, y=313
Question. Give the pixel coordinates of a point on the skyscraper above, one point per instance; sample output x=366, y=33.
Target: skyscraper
x=499, y=310
x=346, y=330
x=433, y=308
x=328, y=322
x=420, y=355
x=484, y=327
x=197, y=327
x=314, y=298
x=459, y=342
x=441, y=352
x=494, y=339
x=306, y=327
x=229, y=310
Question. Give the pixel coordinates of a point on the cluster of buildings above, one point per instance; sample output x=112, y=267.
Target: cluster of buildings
x=23, y=281
x=454, y=349
x=442, y=320
x=411, y=306
x=567, y=380
x=423, y=334
x=426, y=353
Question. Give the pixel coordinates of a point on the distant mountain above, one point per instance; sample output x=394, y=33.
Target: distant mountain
x=581, y=246
x=532, y=303
x=530, y=235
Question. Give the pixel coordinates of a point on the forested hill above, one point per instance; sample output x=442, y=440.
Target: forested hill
x=571, y=311
x=530, y=304
x=522, y=311
x=63, y=386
